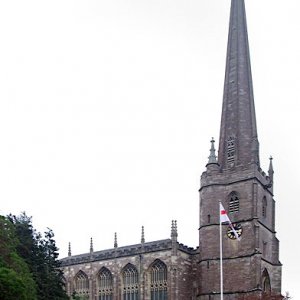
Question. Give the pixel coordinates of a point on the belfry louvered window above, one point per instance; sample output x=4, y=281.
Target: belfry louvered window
x=234, y=203
x=130, y=283
x=159, y=284
x=231, y=150
x=264, y=207
x=105, y=284
x=82, y=285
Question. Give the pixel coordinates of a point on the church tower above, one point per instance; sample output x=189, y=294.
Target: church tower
x=251, y=266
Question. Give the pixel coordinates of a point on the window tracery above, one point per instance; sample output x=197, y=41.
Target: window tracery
x=82, y=284
x=159, y=283
x=130, y=283
x=105, y=284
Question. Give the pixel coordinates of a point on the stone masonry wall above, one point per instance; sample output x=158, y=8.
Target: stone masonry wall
x=179, y=266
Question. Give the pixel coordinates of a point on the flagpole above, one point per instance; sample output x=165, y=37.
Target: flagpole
x=221, y=259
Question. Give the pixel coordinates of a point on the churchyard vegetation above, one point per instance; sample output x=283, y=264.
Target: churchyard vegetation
x=29, y=265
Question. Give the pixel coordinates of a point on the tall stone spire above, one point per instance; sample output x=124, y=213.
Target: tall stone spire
x=238, y=145
x=243, y=188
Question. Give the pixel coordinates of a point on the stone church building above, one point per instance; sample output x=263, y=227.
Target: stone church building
x=169, y=270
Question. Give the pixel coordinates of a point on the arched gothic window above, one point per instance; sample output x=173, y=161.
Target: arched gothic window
x=130, y=283
x=105, y=284
x=82, y=284
x=264, y=207
x=266, y=283
x=159, y=283
x=234, y=203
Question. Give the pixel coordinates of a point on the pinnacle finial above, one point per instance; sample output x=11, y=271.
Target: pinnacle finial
x=116, y=241
x=91, y=246
x=69, y=250
x=174, y=236
x=143, y=235
x=271, y=170
x=212, y=159
x=174, y=233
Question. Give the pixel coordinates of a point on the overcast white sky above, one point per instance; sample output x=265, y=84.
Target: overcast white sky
x=107, y=109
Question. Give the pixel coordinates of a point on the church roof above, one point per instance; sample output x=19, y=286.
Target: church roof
x=156, y=246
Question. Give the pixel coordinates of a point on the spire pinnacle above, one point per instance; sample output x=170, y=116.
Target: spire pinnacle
x=212, y=159
x=116, y=241
x=271, y=170
x=271, y=174
x=174, y=233
x=69, y=250
x=238, y=144
x=143, y=236
x=91, y=246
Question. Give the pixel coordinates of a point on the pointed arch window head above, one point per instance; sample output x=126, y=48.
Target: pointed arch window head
x=264, y=207
x=105, y=284
x=231, y=150
x=130, y=283
x=234, y=203
x=81, y=284
x=159, y=283
x=266, y=282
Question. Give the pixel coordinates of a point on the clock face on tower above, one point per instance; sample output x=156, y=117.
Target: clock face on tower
x=238, y=228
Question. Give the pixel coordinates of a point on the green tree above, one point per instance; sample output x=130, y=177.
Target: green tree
x=41, y=255
x=52, y=280
x=16, y=281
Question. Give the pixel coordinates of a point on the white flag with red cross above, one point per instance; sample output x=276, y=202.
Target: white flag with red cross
x=224, y=218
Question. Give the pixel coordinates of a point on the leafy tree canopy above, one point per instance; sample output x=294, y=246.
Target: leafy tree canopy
x=29, y=265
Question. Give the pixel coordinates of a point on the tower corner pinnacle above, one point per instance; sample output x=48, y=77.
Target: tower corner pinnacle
x=212, y=164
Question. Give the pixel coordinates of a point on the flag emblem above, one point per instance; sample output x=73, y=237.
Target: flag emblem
x=225, y=219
